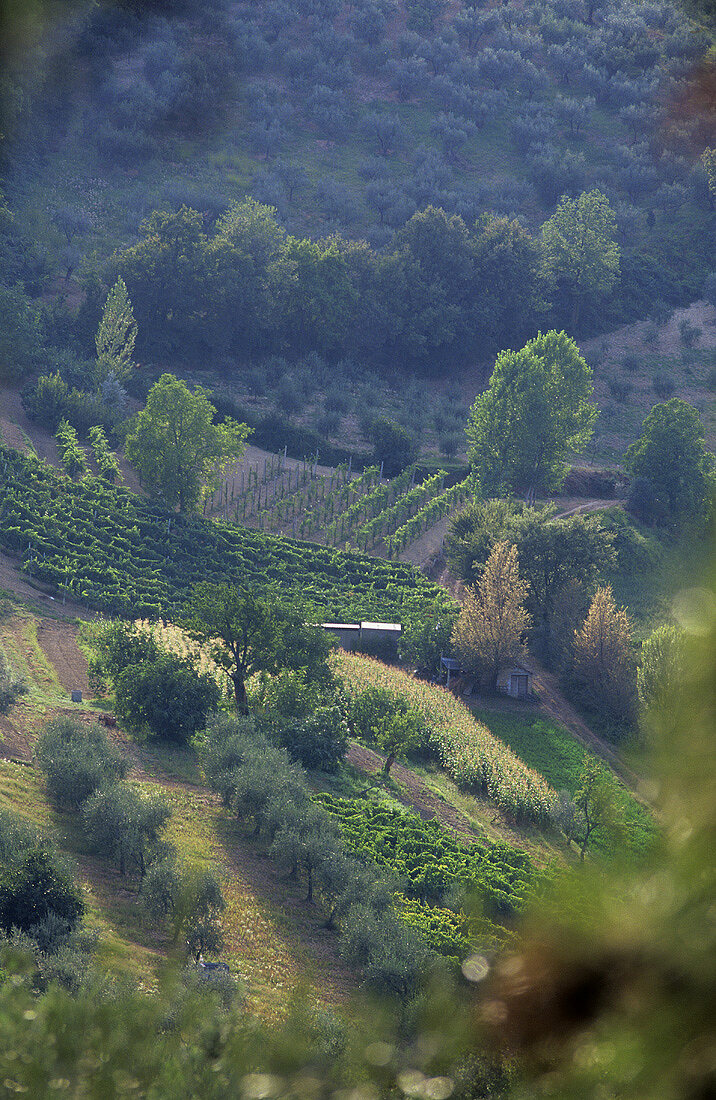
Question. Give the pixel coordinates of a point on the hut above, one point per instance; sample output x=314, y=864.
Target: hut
x=515, y=681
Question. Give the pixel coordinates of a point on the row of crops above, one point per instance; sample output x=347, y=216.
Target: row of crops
x=362, y=512
x=127, y=555
x=476, y=759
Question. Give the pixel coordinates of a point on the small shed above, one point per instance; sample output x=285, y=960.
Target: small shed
x=452, y=667
x=348, y=634
x=515, y=681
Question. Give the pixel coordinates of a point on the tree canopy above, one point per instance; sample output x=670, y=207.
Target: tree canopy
x=175, y=446
x=536, y=410
x=116, y=335
x=248, y=634
x=670, y=453
x=579, y=250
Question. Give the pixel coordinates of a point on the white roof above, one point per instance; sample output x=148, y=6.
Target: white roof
x=341, y=626
x=381, y=626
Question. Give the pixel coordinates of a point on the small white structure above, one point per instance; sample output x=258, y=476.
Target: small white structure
x=348, y=634
x=357, y=635
x=515, y=681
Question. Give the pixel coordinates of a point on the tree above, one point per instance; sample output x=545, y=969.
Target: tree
x=662, y=669
x=33, y=888
x=490, y=629
x=10, y=688
x=596, y=803
x=123, y=824
x=77, y=760
x=536, y=410
x=167, y=697
x=248, y=634
x=394, y=447
x=602, y=654
x=670, y=453
x=116, y=335
x=579, y=250
x=175, y=446
x=396, y=734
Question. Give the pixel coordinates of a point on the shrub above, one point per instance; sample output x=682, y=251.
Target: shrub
x=76, y=760
x=620, y=390
x=10, y=688
x=690, y=334
x=394, y=447
x=319, y=741
x=630, y=361
x=33, y=887
x=123, y=824
x=663, y=385
x=166, y=698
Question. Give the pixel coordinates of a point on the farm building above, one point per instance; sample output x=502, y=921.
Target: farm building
x=515, y=682
x=366, y=635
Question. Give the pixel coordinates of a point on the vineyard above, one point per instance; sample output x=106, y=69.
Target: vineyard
x=467, y=750
x=336, y=509
x=126, y=555
x=429, y=861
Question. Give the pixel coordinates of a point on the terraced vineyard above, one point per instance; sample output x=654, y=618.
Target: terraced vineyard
x=362, y=512
x=126, y=555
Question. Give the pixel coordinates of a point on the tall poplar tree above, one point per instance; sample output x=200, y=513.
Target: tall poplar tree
x=116, y=335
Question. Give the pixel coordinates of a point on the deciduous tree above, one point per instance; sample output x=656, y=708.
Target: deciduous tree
x=670, y=453
x=536, y=410
x=579, y=249
x=490, y=629
x=602, y=654
x=175, y=446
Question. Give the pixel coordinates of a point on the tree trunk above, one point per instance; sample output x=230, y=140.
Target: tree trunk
x=389, y=761
x=242, y=704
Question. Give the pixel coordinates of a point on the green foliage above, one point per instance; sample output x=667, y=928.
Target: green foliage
x=579, y=248
x=661, y=672
x=10, y=687
x=33, y=888
x=248, y=634
x=378, y=717
x=394, y=447
x=115, y=646
x=167, y=698
x=21, y=334
x=553, y=554
x=51, y=400
x=259, y=784
x=72, y=456
x=176, y=448
x=76, y=760
x=596, y=803
x=123, y=554
x=105, y=458
x=424, y=638
x=122, y=824
x=116, y=335
x=535, y=412
x=670, y=453
x=187, y=901
x=429, y=862
x=318, y=740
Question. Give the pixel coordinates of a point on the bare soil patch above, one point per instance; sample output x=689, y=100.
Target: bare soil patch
x=58, y=642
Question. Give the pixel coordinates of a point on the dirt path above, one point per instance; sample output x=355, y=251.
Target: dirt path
x=418, y=795
x=553, y=703
x=58, y=642
x=425, y=549
x=29, y=591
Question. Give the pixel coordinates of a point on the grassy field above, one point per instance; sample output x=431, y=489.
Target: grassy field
x=552, y=751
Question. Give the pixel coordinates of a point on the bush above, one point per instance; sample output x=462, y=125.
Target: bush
x=50, y=401
x=319, y=741
x=115, y=646
x=34, y=887
x=394, y=447
x=664, y=386
x=620, y=390
x=690, y=333
x=76, y=760
x=166, y=698
x=10, y=688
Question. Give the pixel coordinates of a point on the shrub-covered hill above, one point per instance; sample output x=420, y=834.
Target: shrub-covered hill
x=123, y=554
